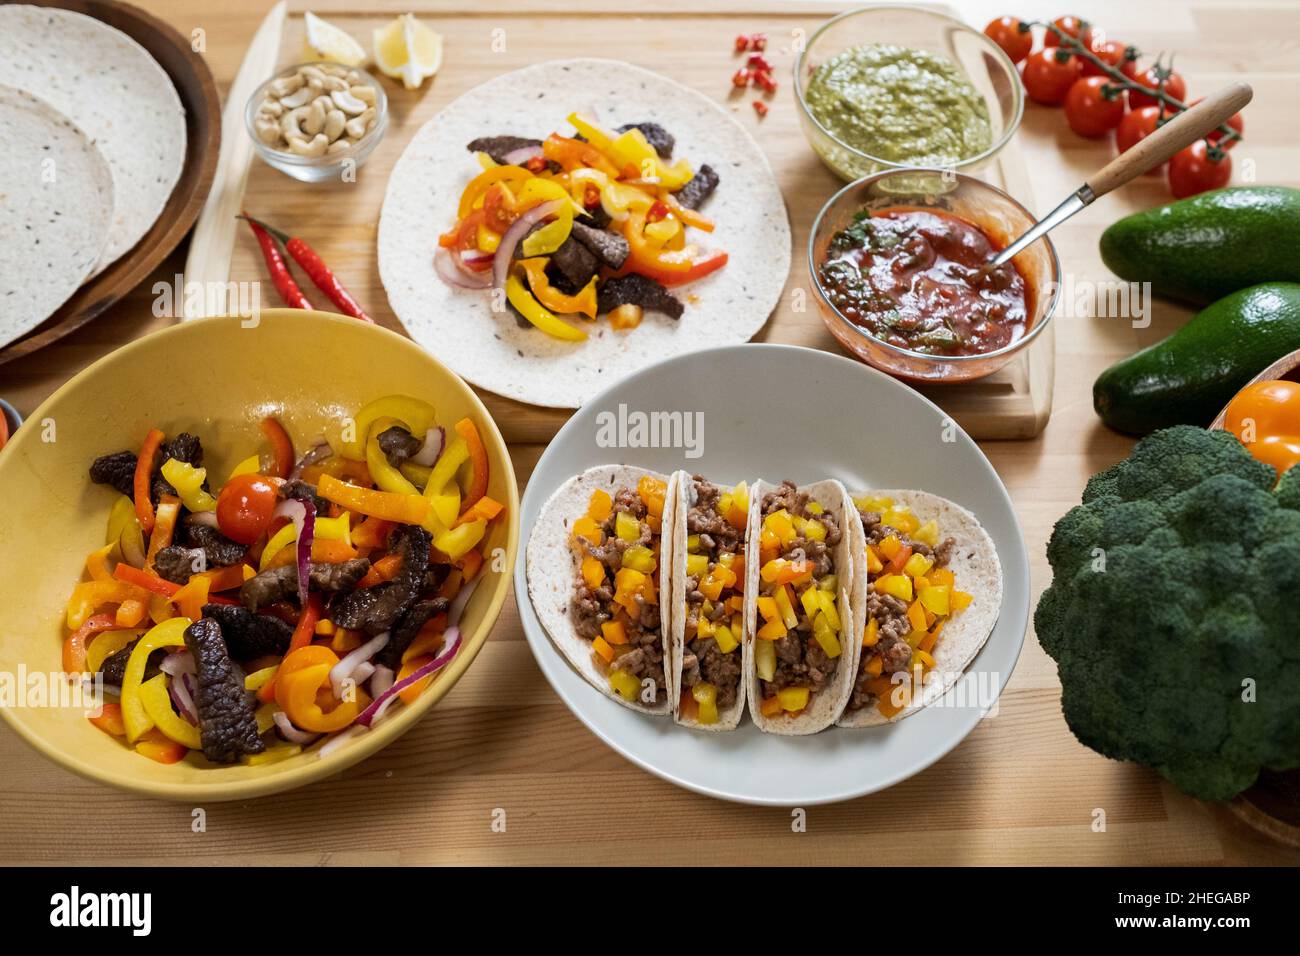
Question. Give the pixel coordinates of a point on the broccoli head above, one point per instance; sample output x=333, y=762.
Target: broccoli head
x=1174, y=612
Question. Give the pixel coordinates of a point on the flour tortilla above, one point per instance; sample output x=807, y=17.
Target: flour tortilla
x=826, y=706
x=490, y=349
x=553, y=568
x=110, y=87
x=728, y=719
x=974, y=562
x=56, y=201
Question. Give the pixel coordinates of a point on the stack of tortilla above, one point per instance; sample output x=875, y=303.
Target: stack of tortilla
x=95, y=142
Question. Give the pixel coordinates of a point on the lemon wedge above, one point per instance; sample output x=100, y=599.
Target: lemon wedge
x=325, y=41
x=407, y=50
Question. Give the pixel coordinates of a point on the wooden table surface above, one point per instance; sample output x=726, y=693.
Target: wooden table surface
x=1019, y=790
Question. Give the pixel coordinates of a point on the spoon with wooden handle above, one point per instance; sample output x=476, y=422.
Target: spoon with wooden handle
x=1181, y=131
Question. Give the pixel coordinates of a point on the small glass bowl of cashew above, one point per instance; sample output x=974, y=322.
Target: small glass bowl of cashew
x=317, y=121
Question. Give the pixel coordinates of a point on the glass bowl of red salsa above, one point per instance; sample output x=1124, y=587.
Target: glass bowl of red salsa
x=895, y=260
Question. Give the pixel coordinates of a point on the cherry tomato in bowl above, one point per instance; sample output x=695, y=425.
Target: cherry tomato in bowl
x=1048, y=75
x=244, y=507
x=1006, y=32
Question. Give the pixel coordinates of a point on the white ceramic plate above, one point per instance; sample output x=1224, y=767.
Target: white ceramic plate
x=775, y=412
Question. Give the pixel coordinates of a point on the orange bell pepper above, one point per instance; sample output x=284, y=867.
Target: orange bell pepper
x=227, y=578
x=551, y=297
x=296, y=694
x=191, y=597
x=671, y=267
x=372, y=533
x=391, y=506
x=74, y=647
x=485, y=508
x=281, y=446
x=130, y=613
x=470, y=563
x=146, y=580
x=144, y=476
x=110, y=720
x=574, y=154
x=164, y=527
x=157, y=746
x=478, y=461
x=382, y=570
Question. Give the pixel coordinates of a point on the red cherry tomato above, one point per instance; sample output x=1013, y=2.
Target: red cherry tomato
x=244, y=507
x=1174, y=86
x=1136, y=126
x=1234, y=122
x=1071, y=26
x=1047, y=79
x=1110, y=52
x=1192, y=171
x=1089, y=111
x=1006, y=33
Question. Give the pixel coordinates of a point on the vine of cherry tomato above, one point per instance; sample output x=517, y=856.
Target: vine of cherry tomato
x=1095, y=100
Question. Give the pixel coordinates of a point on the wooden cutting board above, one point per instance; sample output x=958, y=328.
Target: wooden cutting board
x=340, y=220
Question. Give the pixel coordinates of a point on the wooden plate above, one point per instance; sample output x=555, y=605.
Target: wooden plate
x=193, y=81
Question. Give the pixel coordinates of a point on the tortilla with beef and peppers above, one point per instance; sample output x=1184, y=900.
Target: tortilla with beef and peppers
x=598, y=565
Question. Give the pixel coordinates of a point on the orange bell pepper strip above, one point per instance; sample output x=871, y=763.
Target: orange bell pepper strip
x=281, y=446
x=553, y=298
x=74, y=647
x=372, y=533
x=470, y=563
x=110, y=720
x=301, y=640
x=671, y=267
x=143, y=476
x=478, y=461
x=146, y=580
x=429, y=640
x=191, y=597
x=97, y=563
x=130, y=613
x=382, y=570
x=164, y=527
x=156, y=745
x=296, y=694
x=480, y=184
x=574, y=154
x=690, y=217
x=486, y=508
x=770, y=706
x=227, y=578
x=389, y=505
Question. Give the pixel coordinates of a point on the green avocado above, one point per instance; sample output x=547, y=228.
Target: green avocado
x=1200, y=249
x=1187, y=378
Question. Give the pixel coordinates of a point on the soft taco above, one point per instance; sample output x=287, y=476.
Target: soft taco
x=710, y=634
x=598, y=560
x=802, y=590
x=933, y=588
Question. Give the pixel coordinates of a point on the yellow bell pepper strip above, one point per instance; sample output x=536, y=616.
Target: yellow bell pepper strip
x=418, y=417
x=143, y=477
x=110, y=720
x=91, y=594
x=538, y=315
x=538, y=190
x=403, y=509
x=188, y=482
x=459, y=540
x=574, y=154
x=553, y=298
x=158, y=706
x=551, y=236
x=170, y=633
x=272, y=754
x=382, y=472
x=124, y=530
x=478, y=186
x=441, y=489
x=74, y=647
x=597, y=135
x=667, y=266
x=249, y=466
x=158, y=747
x=189, y=600
x=106, y=644
x=296, y=692
x=691, y=217
x=478, y=482
x=144, y=580
x=169, y=510
x=255, y=680
x=97, y=562
x=486, y=239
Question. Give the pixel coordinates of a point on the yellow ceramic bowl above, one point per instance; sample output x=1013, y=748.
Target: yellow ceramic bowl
x=215, y=379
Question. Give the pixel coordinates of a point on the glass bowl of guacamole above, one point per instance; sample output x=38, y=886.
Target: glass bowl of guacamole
x=888, y=87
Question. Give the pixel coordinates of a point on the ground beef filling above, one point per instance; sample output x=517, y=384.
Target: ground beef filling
x=800, y=660
x=890, y=613
x=702, y=660
x=643, y=655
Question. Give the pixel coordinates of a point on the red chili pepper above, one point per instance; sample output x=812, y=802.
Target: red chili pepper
x=740, y=79
x=742, y=43
x=760, y=107
x=758, y=41
x=658, y=210
x=318, y=271
x=535, y=164
x=764, y=81
x=290, y=294
x=757, y=61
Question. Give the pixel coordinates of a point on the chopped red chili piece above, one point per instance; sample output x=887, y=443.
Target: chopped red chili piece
x=760, y=107
x=742, y=43
x=740, y=79
x=764, y=81
x=758, y=41
x=757, y=61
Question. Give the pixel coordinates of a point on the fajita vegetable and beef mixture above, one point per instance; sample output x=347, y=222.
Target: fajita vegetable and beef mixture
x=615, y=604
x=297, y=600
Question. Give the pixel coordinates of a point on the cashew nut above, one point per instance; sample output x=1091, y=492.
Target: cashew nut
x=335, y=120
x=354, y=77
x=339, y=146
x=300, y=97
x=316, y=147
x=290, y=123
x=271, y=108
x=333, y=83
x=335, y=69
x=348, y=103
x=366, y=94
x=358, y=125
x=268, y=131
x=314, y=121
x=310, y=73
x=286, y=85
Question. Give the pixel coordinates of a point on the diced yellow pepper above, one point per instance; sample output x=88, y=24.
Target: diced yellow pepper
x=773, y=630
x=827, y=601
x=593, y=572
x=871, y=635
x=624, y=684
x=815, y=508
x=600, y=505
x=824, y=636
x=899, y=585
x=727, y=641
x=640, y=558
x=874, y=564
x=767, y=607
x=877, y=503
x=961, y=600
x=785, y=603
x=706, y=695
x=626, y=527
x=692, y=543
x=935, y=599
x=704, y=627
x=814, y=531
x=928, y=533
x=765, y=660
x=889, y=546
x=779, y=523
x=793, y=699
x=902, y=519
x=697, y=565
x=917, y=565
x=941, y=576
x=810, y=602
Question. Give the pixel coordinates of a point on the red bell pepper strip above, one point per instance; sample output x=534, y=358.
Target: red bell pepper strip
x=143, y=579
x=281, y=446
x=143, y=476
x=302, y=636
x=317, y=271
x=281, y=277
x=74, y=648
x=478, y=461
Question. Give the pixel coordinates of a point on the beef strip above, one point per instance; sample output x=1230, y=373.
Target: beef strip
x=636, y=289
x=280, y=583
x=176, y=563
x=227, y=725
x=658, y=137
x=406, y=628
x=296, y=489
x=609, y=247
x=117, y=470
x=114, y=666
x=498, y=147
x=376, y=609
x=250, y=635
x=698, y=188
x=575, y=262
x=398, y=445
x=596, y=217
x=218, y=550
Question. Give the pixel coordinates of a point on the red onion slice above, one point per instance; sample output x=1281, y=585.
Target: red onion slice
x=318, y=454
x=177, y=663
x=515, y=234
x=457, y=606
x=371, y=713
x=344, y=668
x=381, y=680
x=341, y=738
x=182, y=696
x=450, y=273
x=434, y=440
x=291, y=733
x=517, y=157
x=303, y=516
